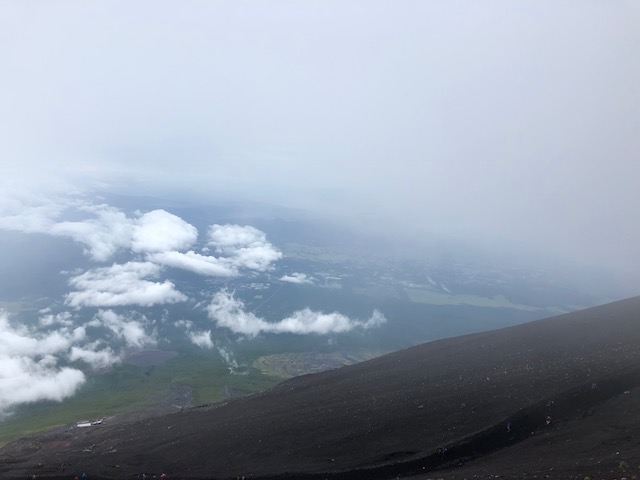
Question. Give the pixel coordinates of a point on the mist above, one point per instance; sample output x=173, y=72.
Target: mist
x=508, y=125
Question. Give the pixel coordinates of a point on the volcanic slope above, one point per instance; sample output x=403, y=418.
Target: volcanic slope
x=388, y=417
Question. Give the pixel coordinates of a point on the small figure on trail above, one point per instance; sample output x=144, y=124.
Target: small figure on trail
x=548, y=421
x=508, y=427
x=594, y=387
x=144, y=476
x=442, y=451
x=84, y=476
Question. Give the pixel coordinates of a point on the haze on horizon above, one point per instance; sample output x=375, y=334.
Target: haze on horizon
x=499, y=123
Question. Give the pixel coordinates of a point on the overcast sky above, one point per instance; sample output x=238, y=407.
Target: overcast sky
x=503, y=120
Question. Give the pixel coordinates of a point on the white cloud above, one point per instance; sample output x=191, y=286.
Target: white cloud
x=239, y=248
x=103, y=236
x=23, y=380
x=26, y=211
x=231, y=237
x=227, y=356
x=228, y=312
x=183, y=323
x=194, y=262
x=63, y=318
x=28, y=368
x=244, y=247
x=256, y=257
x=79, y=333
x=201, y=339
x=160, y=231
x=108, y=231
x=95, y=358
x=15, y=341
x=112, y=230
x=205, y=340
x=122, y=285
x=131, y=331
x=159, y=234
x=29, y=359
x=300, y=278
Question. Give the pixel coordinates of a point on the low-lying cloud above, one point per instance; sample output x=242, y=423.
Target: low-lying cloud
x=154, y=240
x=204, y=339
x=160, y=231
x=25, y=380
x=160, y=235
x=35, y=363
x=111, y=230
x=102, y=236
x=95, y=356
x=228, y=312
x=29, y=369
x=201, y=339
x=122, y=285
x=299, y=278
x=133, y=332
x=243, y=247
x=194, y=262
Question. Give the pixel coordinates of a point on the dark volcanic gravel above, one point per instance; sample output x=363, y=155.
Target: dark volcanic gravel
x=387, y=417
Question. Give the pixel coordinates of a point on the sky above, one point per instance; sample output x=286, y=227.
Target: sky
x=496, y=120
x=497, y=123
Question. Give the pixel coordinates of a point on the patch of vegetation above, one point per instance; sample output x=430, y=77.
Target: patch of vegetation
x=430, y=297
x=287, y=365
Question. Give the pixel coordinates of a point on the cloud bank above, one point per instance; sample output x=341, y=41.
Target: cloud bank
x=155, y=240
x=229, y=312
x=158, y=234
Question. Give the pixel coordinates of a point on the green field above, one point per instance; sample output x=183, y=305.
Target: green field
x=287, y=365
x=422, y=295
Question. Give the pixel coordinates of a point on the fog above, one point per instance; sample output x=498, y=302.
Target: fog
x=497, y=123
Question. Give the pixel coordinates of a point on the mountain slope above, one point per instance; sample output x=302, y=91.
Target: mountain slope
x=380, y=418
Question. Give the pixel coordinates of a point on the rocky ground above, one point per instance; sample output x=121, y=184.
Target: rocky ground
x=389, y=417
